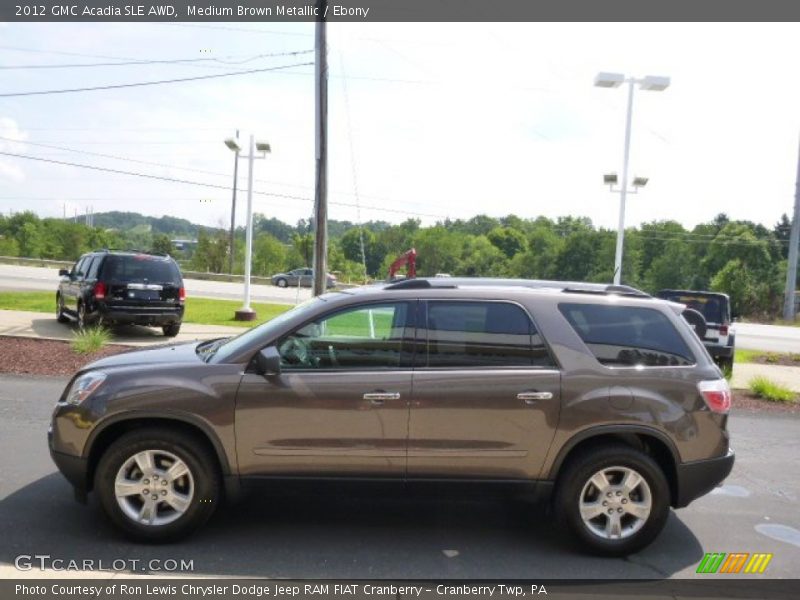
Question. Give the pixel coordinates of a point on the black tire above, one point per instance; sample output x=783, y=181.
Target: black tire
x=282, y=283
x=697, y=321
x=202, y=467
x=81, y=320
x=60, y=316
x=171, y=330
x=577, y=473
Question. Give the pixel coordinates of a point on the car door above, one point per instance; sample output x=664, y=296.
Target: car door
x=339, y=406
x=486, y=393
x=74, y=285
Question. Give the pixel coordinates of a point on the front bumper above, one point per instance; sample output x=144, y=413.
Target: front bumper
x=699, y=477
x=74, y=468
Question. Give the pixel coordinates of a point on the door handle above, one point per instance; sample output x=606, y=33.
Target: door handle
x=532, y=397
x=379, y=398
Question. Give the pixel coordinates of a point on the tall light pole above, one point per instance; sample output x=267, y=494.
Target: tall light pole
x=791, y=270
x=649, y=83
x=246, y=313
x=235, y=148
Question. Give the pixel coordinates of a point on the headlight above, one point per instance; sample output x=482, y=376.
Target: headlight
x=84, y=386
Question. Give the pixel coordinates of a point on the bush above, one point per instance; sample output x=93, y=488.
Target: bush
x=90, y=340
x=768, y=390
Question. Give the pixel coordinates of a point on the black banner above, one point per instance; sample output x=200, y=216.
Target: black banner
x=256, y=589
x=399, y=10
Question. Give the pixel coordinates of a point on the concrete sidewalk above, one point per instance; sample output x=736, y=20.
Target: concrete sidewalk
x=44, y=326
x=788, y=377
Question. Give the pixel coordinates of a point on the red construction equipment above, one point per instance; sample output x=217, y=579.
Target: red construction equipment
x=409, y=260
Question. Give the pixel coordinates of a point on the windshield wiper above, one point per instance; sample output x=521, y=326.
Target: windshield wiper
x=208, y=349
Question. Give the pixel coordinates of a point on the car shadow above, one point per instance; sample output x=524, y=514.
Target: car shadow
x=338, y=533
x=50, y=328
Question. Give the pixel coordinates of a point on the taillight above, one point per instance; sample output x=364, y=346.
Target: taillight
x=99, y=290
x=182, y=294
x=717, y=394
x=723, y=329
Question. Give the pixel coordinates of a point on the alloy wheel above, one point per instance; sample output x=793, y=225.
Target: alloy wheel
x=615, y=503
x=154, y=487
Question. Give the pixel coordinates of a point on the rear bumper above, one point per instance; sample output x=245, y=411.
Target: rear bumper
x=133, y=315
x=719, y=351
x=699, y=477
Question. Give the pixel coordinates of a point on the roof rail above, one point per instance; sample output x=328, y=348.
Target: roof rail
x=409, y=284
x=620, y=290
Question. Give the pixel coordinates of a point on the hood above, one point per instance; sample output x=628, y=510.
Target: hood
x=173, y=353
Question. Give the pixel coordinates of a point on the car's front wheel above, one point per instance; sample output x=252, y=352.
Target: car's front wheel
x=281, y=282
x=614, y=499
x=157, y=485
x=61, y=317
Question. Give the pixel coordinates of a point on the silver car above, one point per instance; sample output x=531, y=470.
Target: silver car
x=299, y=277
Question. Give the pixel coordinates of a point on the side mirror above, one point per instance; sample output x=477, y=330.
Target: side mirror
x=268, y=361
x=63, y=273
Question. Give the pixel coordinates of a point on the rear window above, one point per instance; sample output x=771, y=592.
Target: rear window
x=482, y=334
x=712, y=307
x=139, y=267
x=628, y=335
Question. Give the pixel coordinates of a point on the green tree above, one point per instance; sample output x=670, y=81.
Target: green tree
x=269, y=255
x=162, y=244
x=304, y=245
x=509, y=241
x=481, y=258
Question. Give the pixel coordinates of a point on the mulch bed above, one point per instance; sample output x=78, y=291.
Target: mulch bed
x=747, y=402
x=29, y=356
x=774, y=358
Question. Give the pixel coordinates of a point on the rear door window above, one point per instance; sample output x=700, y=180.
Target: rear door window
x=482, y=334
x=137, y=268
x=95, y=266
x=628, y=335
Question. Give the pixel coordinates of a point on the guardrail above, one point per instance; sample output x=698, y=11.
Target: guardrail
x=35, y=262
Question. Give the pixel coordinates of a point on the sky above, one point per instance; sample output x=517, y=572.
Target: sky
x=427, y=121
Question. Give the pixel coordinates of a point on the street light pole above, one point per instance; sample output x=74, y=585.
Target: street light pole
x=246, y=313
x=624, y=191
x=233, y=202
x=613, y=80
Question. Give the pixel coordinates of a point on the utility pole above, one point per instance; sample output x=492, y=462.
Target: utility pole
x=233, y=202
x=246, y=313
x=320, y=265
x=794, y=239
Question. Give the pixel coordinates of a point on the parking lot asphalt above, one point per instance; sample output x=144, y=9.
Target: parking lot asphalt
x=392, y=534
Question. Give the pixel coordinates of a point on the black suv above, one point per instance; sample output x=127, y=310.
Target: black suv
x=710, y=315
x=122, y=288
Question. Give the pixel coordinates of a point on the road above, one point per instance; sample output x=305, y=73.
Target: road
x=748, y=335
x=18, y=278
x=394, y=535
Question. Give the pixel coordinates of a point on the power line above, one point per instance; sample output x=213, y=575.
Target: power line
x=200, y=183
x=225, y=60
x=149, y=83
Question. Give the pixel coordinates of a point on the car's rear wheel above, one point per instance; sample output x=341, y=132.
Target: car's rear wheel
x=61, y=317
x=282, y=282
x=157, y=485
x=171, y=330
x=614, y=499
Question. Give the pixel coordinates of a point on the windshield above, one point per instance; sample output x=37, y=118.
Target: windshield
x=218, y=351
x=711, y=306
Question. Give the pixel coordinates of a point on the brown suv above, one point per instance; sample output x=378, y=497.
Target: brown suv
x=599, y=399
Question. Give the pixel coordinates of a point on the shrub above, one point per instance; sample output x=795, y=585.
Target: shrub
x=90, y=340
x=768, y=390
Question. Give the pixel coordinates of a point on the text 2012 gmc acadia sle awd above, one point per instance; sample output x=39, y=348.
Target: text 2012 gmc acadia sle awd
x=598, y=399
